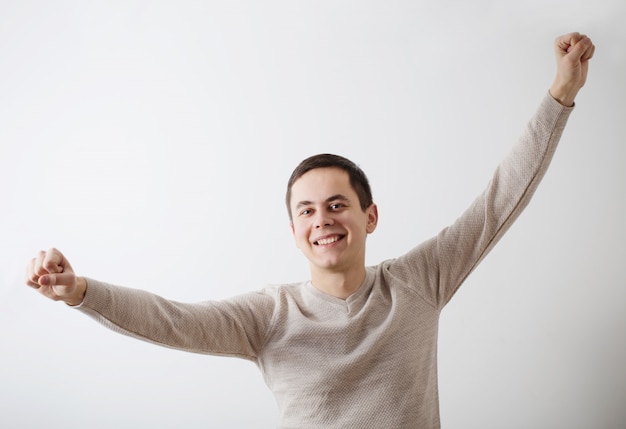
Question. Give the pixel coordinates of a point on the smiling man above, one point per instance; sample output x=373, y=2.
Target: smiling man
x=329, y=222
x=354, y=346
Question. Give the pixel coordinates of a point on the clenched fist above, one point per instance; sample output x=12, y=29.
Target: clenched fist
x=54, y=277
x=573, y=52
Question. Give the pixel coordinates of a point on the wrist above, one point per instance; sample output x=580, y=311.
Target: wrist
x=78, y=296
x=564, y=95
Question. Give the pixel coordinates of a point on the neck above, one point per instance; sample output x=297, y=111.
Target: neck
x=338, y=284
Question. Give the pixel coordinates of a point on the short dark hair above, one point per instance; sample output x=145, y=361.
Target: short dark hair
x=358, y=179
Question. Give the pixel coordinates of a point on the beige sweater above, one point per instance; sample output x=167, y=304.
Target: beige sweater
x=369, y=361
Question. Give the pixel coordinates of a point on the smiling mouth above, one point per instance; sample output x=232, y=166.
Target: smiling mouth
x=328, y=240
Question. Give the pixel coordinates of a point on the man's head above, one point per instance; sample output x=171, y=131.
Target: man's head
x=358, y=179
x=331, y=213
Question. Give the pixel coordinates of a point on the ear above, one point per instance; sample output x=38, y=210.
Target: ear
x=372, y=218
x=293, y=232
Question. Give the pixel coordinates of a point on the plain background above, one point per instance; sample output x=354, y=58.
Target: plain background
x=151, y=142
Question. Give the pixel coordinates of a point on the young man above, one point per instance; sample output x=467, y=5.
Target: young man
x=355, y=346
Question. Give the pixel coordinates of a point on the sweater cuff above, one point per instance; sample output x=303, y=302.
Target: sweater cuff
x=89, y=288
x=551, y=100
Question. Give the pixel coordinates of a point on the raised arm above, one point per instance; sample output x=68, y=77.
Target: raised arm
x=454, y=253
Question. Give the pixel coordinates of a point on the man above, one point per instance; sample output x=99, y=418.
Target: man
x=355, y=346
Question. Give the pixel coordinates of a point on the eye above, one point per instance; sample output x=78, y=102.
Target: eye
x=305, y=212
x=336, y=206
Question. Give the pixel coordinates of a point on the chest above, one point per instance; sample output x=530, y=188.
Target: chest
x=393, y=332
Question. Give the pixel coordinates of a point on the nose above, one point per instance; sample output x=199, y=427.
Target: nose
x=323, y=219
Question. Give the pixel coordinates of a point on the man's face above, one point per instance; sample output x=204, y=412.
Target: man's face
x=327, y=221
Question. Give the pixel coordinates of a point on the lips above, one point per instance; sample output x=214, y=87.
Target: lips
x=329, y=239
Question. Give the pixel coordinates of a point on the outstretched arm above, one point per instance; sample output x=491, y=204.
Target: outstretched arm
x=573, y=52
x=234, y=327
x=54, y=277
x=457, y=249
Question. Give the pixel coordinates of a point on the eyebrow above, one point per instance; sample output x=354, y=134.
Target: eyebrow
x=336, y=197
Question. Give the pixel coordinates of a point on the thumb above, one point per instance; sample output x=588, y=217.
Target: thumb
x=59, y=279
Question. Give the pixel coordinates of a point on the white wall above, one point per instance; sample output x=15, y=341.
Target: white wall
x=151, y=142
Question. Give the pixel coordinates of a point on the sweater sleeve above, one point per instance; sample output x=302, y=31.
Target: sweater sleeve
x=234, y=327
x=437, y=267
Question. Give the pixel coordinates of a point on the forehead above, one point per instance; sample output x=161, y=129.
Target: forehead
x=320, y=183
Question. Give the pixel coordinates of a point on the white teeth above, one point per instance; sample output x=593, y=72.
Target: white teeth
x=327, y=240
